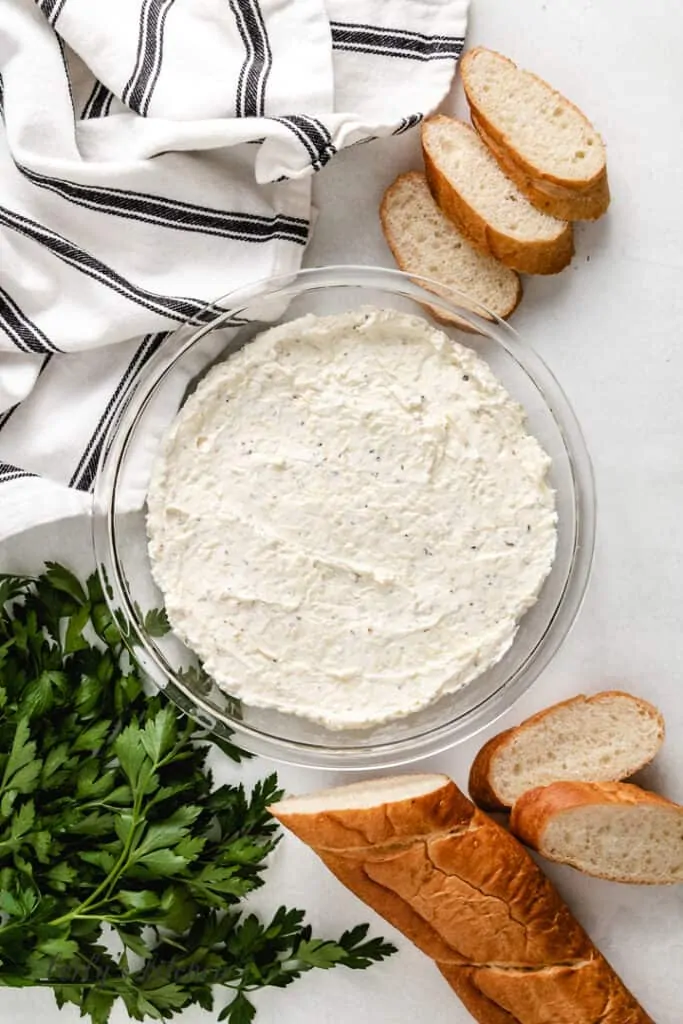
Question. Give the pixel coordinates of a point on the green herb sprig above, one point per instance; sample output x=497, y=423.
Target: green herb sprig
x=121, y=866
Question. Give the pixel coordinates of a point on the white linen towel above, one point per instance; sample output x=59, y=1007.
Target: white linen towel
x=154, y=155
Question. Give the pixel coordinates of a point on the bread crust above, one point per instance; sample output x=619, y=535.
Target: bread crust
x=480, y=781
x=558, y=201
x=469, y=895
x=534, y=811
x=479, y=784
x=541, y=256
x=522, y=171
x=394, y=245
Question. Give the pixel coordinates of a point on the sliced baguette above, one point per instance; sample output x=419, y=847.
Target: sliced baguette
x=541, y=140
x=552, y=199
x=611, y=830
x=604, y=738
x=487, y=206
x=465, y=892
x=425, y=242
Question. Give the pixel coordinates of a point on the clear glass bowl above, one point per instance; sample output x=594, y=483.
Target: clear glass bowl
x=120, y=538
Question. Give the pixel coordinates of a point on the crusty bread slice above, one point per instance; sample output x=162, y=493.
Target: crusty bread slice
x=567, y=204
x=603, y=738
x=609, y=829
x=426, y=243
x=487, y=206
x=466, y=893
x=541, y=140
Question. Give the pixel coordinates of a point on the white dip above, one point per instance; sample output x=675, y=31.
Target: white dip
x=348, y=518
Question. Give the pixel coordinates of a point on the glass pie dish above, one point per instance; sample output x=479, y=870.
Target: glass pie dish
x=120, y=535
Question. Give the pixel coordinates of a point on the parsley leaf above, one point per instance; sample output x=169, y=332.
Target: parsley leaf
x=110, y=828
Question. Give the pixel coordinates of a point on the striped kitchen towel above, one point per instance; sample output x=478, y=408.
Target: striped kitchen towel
x=156, y=154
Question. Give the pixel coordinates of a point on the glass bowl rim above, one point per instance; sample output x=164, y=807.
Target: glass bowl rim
x=491, y=707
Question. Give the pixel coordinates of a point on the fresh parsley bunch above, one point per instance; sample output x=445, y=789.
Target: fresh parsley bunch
x=121, y=867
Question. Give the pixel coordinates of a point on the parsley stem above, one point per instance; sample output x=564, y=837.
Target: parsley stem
x=106, y=886
x=122, y=863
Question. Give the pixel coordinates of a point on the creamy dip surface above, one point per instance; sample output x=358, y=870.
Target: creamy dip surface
x=348, y=518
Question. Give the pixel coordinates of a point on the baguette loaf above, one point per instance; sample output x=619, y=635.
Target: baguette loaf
x=541, y=140
x=603, y=738
x=425, y=242
x=609, y=829
x=467, y=894
x=487, y=206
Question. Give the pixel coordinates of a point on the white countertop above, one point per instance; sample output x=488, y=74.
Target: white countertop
x=609, y=327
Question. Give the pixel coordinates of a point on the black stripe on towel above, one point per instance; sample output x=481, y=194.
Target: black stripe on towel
x=407, y=123
x=175, y=308
x=251, y=85
x=9, y=472
x=395, y=42
x=84, y=475
x=172, y=213
x=51, y=9
x=138, y=90
x=26, y=335
x=98, y=103
x=313, y=135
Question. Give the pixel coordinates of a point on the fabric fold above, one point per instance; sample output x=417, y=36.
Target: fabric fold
x=155, y=155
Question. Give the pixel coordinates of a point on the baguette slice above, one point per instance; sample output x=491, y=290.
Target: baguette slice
x=608, y=829
x=467, y=893
x=487, y=206
x=604, y=738
x=425, y=242
x=541, y=140
x=553, y=199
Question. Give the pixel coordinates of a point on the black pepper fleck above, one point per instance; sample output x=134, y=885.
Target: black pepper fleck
x=465, y=376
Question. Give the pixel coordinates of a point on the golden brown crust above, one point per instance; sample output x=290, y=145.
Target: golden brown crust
x=587, y=991
x=534, y=811
x=466, y=892
x=547, y=256
x=498, y=137
x=392, y=242
x=480, y=781
x=463, y=981
x=558, y=201
x=440, y=809
x=396, y=911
